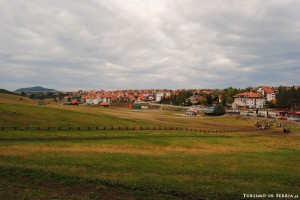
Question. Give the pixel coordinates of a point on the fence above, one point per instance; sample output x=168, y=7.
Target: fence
x=97, y=128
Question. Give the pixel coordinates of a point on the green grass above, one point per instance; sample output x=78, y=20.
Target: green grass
x=139, y=164
x=31, y=115
x=168, y=164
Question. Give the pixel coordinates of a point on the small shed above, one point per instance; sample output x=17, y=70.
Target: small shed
x=74, y=102
x=104, y=104
x=191, y=112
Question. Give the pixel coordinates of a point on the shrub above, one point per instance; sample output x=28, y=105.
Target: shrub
x=219, y=110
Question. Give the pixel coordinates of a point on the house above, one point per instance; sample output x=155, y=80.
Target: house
x=267, y=92
x=74, y=102
x=104, y=104
x=191, y=112
x=159, y=96
x=248, y=100
x=151, y=98
x=94, y=101
x=106, y=99
x=194, y=99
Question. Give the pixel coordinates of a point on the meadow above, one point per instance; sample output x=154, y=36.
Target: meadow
x=139, y=164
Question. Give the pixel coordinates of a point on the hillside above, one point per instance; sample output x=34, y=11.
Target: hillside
x=35, y=89
x=16, y=99
x=3, y=91
x=27, y=112
x=22, y=111
x=134, y=164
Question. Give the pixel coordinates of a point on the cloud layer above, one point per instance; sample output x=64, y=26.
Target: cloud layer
x=93, y=44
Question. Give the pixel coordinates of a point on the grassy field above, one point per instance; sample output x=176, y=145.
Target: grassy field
x=139, y=164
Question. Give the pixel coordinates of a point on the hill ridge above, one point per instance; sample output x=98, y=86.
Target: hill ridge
x=35, y=89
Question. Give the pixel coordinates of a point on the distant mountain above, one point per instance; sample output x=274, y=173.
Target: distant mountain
x=35, y=89
x=6, y=92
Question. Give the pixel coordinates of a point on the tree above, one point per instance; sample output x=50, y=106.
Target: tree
x=209, y=99
x=189, y=93
x=219, y=110
x=189, y=103
x=181, y=97
x=288, y=98
x=49, y=95
x=60, y=96
x=229, y=93
x=270, y=104
x=32, y=96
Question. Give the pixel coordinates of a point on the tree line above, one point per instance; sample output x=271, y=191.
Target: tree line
x=286, y=97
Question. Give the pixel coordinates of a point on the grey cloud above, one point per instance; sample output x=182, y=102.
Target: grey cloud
x=97, y=44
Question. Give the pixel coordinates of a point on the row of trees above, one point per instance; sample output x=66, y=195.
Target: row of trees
x=286, y=97
x=44, y=95
x=206, y=99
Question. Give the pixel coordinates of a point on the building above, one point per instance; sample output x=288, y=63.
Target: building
x=194, y=99
x=248, y=100
x=159, y=96
x=267, y=92
x=191, y=112
x=104, y=105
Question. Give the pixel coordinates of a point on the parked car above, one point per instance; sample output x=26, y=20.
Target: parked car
x=283, y=118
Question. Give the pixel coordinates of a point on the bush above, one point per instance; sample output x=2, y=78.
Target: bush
x=219, y=110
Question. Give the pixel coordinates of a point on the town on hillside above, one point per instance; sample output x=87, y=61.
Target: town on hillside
x=249, y=101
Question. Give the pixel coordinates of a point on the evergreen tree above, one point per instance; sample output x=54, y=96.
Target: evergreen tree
x=219, y=110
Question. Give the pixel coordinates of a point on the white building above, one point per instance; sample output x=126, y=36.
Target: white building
x=248, y=100
x=159, y=96
x=267, y=92
x=106, y=100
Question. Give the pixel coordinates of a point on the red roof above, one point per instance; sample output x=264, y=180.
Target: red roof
x=248, y=95
x=267, y=89
x=206, y=92
x=104, y=104
x=74, y=101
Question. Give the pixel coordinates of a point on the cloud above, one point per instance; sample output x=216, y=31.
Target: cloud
x=121, y=44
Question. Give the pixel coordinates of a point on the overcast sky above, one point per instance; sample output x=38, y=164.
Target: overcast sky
x=123, y=44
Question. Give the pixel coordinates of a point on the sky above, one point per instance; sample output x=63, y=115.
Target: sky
x=142, y=44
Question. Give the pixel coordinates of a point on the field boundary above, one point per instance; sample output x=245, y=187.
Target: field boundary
x=101, y=128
